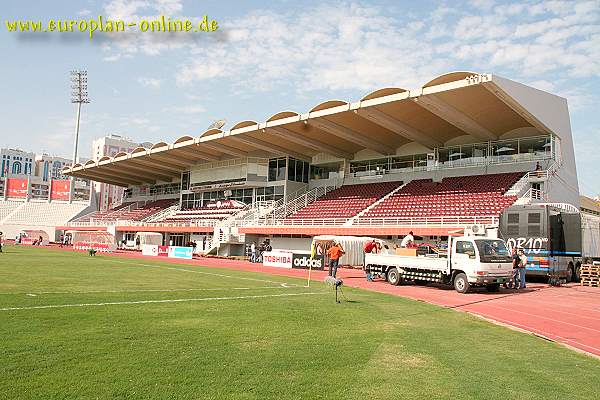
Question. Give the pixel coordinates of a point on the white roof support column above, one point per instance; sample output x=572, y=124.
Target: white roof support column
x=399, y=128
x=348, y=134
x=453, y=116
x=307, y=142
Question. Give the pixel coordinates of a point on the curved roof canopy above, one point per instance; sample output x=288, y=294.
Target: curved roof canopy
x=457, y=106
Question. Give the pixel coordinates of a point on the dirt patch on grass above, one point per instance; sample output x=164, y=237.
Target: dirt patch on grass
x=396, y=357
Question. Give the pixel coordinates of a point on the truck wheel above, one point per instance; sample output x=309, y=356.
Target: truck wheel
x=493, y=287
x=461, y=283
x=393, y=277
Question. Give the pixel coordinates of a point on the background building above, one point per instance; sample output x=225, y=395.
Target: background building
x=49, y=167
x=110, y=195
x=17, y=162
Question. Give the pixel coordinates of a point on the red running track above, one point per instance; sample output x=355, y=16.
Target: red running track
x=569, y=314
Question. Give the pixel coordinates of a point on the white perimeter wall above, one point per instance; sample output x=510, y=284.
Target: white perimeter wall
x=553, y=112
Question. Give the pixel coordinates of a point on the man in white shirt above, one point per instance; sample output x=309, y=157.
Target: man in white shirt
x=253, y=252
x=408, y=239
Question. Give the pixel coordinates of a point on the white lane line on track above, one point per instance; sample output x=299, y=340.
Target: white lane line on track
x=207, y=273
x=541, y=316
x=553, y=309
x=33, y=294
x=536, y=331
x=159, y=301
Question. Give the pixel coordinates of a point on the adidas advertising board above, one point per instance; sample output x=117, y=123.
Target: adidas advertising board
x=304, y=261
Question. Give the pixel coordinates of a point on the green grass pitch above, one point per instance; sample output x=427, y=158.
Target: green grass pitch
x=77, y=327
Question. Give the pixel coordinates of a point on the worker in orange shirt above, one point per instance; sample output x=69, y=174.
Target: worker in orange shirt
x=334, y=253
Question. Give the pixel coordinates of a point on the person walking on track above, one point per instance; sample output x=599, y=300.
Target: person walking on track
x=334, y=253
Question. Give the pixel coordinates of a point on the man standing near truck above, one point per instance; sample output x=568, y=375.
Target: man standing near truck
x=522, y=267
x=408, y=240
x=370, y=247
x=516, y=261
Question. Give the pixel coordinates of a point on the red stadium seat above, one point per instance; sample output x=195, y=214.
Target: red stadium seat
x=346, y=201
x=456, y=196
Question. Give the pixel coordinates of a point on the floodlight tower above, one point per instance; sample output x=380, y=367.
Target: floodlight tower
x=79, y=95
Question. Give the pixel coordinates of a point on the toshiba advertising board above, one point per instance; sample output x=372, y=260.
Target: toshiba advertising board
x=278, y=258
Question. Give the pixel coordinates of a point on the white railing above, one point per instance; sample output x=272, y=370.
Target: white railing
x=565, y=207
x=197, y=223
x=429, y=221
x=450, y=220
x=162, y=214
x=298, y=203
x=518, y=188
x=459, y=163
x=530, y=195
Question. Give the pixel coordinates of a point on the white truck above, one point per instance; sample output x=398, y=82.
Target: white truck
x=469, y=261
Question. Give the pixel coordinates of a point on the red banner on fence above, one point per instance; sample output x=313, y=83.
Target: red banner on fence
x=16, y=187
x=60, y=190
x=163, y=251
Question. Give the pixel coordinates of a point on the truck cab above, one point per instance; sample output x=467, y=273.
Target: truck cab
x=479, y=261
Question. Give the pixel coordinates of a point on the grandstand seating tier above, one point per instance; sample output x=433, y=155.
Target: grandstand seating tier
x=8, y=207
x=44, y=213
x=346, y=201
x=457, y=196
x=207, y=214
x=128, y=212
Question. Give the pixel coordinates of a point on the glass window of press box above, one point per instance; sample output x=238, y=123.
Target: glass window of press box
x=534, y=148
x=269, y=193
x=277, y=169
x=185, y=180
x=298, y=170
x=323, y=171
x=197, y=200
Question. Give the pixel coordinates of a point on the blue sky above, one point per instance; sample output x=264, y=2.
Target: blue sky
x=285, y=55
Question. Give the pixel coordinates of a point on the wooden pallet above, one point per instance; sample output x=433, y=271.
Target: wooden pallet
x=593, y=282
x=590, y=268
x=589, y=272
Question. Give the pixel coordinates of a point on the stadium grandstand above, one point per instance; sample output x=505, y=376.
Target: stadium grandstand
x=45, y=207
x=453, y=153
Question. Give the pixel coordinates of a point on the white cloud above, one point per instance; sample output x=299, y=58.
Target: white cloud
x=84, y=12
x=358, y=47
x=124, y=9
x=153, y=83
x=355, y=46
